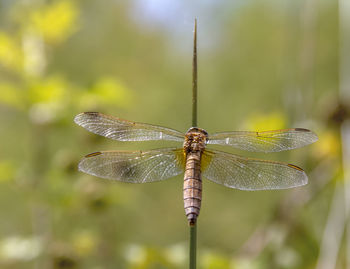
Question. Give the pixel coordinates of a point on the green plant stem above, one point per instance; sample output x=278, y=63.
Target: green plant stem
x=194, y=77
x=193, y=246
x=193, y=228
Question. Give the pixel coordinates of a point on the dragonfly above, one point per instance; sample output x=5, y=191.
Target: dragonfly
x=194, y=159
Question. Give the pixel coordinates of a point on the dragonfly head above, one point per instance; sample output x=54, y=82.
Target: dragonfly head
x=195, y=139
x=197, y=130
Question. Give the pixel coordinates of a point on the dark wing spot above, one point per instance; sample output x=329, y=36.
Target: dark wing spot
x=93, y=154
x=295, y=167
x=302, y=130
x=92, y=113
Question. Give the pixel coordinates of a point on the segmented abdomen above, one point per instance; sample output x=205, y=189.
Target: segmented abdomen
x=192, y=186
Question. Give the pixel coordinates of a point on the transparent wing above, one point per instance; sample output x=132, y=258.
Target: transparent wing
x=134, y=166
x=268, y=141
x=123, y=130
x=250, y=174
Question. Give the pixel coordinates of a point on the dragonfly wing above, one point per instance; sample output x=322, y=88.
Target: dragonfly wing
x=134, y=166
x=250, y=174
x=124, y=130
x=268, y=141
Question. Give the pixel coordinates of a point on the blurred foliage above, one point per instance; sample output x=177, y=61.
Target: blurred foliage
x=256, y=72
x=54, y=22
x=272, y=121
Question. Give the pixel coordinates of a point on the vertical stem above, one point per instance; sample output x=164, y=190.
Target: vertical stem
x=194, y=77
x=338, y=220
x=344, y=97
x=193, y=228
x=193, y=246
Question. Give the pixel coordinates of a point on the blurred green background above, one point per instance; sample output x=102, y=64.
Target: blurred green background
x=262, y=65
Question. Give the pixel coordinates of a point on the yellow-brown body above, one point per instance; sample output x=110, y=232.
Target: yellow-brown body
x=194, y=145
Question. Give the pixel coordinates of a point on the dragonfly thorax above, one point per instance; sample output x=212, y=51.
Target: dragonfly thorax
x=195, y=139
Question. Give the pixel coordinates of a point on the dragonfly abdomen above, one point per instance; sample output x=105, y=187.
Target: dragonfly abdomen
x=192, y=187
